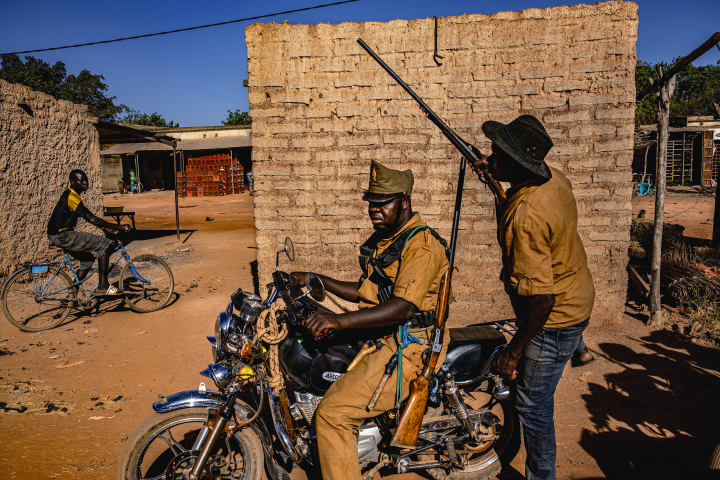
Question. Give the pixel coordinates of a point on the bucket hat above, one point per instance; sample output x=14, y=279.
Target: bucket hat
x=524, y=140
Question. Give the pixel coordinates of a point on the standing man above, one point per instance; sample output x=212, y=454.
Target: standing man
x=403, y=263
x=61, y=232
x=546, y=275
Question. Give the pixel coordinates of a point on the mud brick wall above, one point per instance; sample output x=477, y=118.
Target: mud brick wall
x=41, y=141
x=322, y=109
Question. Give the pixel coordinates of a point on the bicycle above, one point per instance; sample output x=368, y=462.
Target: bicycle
x=39, y=296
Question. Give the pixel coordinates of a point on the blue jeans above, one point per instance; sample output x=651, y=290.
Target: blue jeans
x=539, y=371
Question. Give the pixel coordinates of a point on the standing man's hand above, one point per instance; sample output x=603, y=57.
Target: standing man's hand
x=125, y=227
x=505, y=362
x=481, y=164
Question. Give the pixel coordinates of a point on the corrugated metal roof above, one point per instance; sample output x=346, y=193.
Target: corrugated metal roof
x=184, y=145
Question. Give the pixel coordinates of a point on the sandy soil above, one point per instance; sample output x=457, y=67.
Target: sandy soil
x=693, y=212
x=643, y=410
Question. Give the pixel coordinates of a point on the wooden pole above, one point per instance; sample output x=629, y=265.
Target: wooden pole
x=716, y=217
x=711, y=42
x=177, y=207
x=664, y=94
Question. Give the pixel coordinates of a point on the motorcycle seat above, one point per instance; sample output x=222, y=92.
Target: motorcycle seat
x=469, y=349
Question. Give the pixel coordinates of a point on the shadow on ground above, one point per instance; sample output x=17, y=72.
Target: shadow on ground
x=141, y=235
x=658, y=417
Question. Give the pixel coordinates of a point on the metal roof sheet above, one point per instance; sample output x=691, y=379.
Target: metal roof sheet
x=184, y=145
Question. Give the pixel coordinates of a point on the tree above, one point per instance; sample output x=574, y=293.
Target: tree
x=697, y=89
x=84, y=89
x=134, y=117
x=237, y=118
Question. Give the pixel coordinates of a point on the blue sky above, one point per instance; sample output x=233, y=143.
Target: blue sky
x=194, y=77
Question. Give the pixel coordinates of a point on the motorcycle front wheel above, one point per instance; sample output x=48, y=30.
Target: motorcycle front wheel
x=161, y=447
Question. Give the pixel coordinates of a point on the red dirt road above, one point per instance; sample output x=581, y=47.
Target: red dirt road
x=645, y=409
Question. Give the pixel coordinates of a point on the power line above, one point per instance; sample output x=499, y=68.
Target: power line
x=182, y=29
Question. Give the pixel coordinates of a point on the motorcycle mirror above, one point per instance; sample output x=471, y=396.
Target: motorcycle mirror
x=290, y=249
x=317, y=289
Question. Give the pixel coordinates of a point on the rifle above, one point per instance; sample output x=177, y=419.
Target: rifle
x=459, y=143
x=408, y=429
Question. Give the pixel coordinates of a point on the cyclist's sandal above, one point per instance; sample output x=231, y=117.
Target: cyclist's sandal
x=111, y=291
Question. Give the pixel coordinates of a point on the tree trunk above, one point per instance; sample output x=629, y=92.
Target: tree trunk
x=716, y=217
x=664, y=95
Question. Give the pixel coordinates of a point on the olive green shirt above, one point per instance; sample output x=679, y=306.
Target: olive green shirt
x=542, y=252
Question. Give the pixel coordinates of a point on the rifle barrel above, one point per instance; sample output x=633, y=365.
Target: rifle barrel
x=458, y=142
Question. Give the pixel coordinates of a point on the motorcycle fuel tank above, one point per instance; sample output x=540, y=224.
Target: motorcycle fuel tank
x=314, y=365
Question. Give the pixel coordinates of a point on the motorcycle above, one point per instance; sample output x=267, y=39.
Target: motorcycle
x=271, y=376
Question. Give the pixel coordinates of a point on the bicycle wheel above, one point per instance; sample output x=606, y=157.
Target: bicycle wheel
x=29, y=303
x=147, y=283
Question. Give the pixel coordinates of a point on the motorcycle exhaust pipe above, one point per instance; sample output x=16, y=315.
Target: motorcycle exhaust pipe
x=279, y=420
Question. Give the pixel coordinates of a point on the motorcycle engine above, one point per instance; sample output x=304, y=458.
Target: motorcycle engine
x=368, y=434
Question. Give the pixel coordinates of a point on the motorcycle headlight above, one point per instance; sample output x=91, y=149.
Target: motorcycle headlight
x=220, y=374
x=223, y=326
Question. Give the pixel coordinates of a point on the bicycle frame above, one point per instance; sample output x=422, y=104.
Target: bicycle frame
x=42, y=295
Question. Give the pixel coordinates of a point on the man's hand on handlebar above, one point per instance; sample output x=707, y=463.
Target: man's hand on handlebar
x=300, y=276
x=506, y=363
x=320, y=321
x=114, y=230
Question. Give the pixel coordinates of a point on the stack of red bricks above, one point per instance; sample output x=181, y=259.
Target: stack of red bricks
x=211, y=176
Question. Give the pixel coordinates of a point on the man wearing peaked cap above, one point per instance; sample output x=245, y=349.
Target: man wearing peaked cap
x=546, y=276
x=387, y=184
x=402, y=264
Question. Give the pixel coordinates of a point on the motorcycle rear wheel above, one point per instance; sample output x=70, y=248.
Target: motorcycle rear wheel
x=162, y=438
x=487, y=463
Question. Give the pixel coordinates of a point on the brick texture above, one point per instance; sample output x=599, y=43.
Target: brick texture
x=39, y=145
x=322, y=108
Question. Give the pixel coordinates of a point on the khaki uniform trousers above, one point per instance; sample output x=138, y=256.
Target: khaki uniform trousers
x=343, y=408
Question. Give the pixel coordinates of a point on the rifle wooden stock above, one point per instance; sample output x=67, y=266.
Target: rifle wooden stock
x=408, y=429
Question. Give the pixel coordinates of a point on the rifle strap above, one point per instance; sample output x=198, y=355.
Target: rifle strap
x=405, y=338
x=390, y=255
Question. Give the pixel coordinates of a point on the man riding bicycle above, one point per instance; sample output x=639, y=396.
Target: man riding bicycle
x=80, y=245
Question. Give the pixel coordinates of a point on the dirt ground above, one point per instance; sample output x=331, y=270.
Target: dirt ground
x=70, y=396
x=694, y=212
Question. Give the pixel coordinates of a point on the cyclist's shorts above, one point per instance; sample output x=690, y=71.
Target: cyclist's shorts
x=80, y=246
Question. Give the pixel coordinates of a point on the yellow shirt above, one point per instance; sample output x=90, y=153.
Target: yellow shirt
x=422, y=265
x=542, y=252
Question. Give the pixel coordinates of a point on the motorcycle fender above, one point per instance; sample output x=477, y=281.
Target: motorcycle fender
x=212, y=399
x=189, y=399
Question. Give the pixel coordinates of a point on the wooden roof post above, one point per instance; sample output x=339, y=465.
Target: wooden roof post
x=177, y=208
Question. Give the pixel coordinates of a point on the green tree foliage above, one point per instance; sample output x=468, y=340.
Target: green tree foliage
x=133, y=117
x=697, y=89
x=237, y=118
x=84, y=89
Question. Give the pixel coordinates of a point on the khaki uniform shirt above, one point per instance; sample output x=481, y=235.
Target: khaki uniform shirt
x=422, y=265
x=542, y=252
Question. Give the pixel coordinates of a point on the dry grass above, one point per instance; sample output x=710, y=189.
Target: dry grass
x=697, y=296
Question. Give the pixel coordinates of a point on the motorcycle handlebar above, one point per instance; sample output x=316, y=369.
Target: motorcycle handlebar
x=326, y=334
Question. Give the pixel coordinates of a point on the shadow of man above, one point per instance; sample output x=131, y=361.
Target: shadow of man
x=658, y=416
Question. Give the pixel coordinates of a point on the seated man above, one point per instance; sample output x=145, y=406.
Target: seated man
x=61, y=232
x=403, y=263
